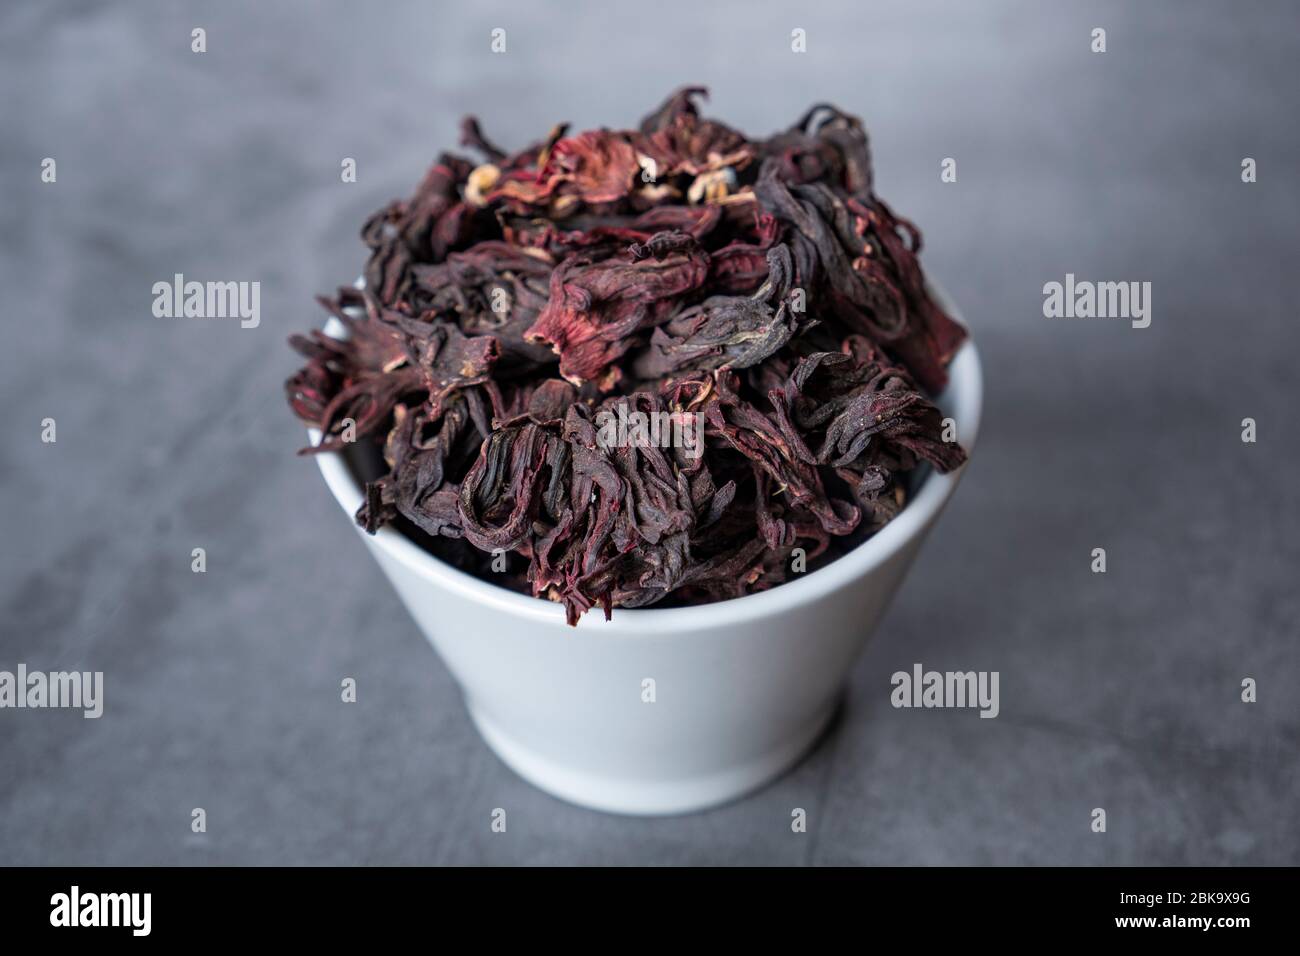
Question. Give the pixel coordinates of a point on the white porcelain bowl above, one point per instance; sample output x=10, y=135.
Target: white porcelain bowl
x=741, y=690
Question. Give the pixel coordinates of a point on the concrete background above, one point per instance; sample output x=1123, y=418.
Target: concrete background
x=1119, y=691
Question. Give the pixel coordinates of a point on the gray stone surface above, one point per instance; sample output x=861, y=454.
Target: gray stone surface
x=1118, y=690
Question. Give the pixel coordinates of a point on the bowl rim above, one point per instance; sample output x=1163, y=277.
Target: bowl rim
x=962, y=399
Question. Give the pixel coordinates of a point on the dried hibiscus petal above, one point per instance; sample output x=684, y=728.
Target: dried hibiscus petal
x=540, y=332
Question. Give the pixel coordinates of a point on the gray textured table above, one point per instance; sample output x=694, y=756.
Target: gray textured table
x=1119, y=690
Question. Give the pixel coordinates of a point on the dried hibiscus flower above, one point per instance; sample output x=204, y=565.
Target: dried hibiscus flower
x=642, y=365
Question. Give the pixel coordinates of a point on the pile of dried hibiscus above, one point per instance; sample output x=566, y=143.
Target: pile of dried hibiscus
x=679, y=270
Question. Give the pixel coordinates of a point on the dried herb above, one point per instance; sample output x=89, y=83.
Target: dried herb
x=675, y=273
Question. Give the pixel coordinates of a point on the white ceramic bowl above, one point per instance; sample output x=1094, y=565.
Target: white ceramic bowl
x=742, y=688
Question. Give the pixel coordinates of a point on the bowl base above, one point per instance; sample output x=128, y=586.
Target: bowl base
x=648, y=798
